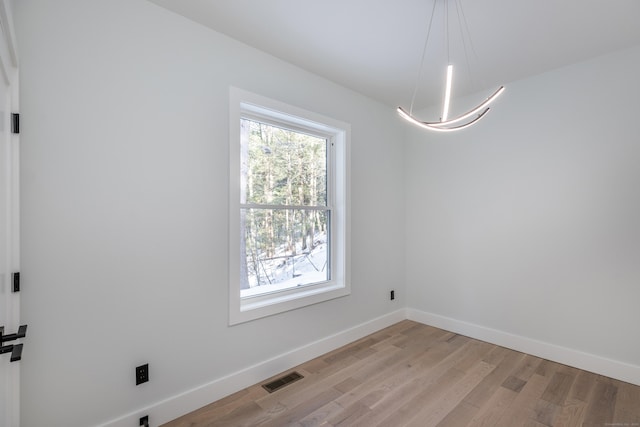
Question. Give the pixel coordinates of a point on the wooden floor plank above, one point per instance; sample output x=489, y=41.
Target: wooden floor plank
x=461, y=415
x=527, y=367
x=435, y=411
x=427, y=377
x=505, y=365
x=601, y=405
x=583, y=385
x=558, y=388
x=393, y=390
x=494, y=408
x=523, y=406
x=545, y=412
x=627, y=410
x=219, y=409
x=498, y=404
x=382, y=383
x=294, y=414
x=320, y=416
x=411, y=374
x=401, y=407
x=572, y=414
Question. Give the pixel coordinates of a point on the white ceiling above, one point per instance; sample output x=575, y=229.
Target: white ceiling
x=375, y=46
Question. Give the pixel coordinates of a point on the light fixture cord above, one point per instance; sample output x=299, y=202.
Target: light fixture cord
x=446, y=30
x=463, y=20
x=424, y=52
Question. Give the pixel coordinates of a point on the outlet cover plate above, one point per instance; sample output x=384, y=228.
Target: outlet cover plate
x=142, y=374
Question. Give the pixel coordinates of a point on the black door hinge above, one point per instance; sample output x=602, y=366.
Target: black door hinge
x=16, y=281
x=15, y=122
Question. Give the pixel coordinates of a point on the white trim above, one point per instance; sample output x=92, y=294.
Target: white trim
x=567, y=356
x=338, y=133
x=190, y=400
x=10, y=170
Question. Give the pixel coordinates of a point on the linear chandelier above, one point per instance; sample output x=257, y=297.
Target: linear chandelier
x=464, y=120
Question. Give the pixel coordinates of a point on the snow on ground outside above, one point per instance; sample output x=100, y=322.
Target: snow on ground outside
x=290, y=272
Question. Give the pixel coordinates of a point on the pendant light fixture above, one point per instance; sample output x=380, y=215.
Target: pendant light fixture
x=464, y=120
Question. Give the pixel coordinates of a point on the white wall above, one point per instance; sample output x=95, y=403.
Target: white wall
x=527, y=226
x=124, y=207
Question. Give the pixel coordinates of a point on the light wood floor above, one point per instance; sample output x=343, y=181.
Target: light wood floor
x=415, y=375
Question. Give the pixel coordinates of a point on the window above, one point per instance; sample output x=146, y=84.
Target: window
x=288, y=210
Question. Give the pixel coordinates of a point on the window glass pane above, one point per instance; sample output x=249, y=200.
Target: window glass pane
x=282, y=167
x=283, y=248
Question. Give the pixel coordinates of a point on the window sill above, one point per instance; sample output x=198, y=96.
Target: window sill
x=268, y=305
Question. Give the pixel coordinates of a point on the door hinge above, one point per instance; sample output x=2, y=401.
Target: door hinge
x=16, y=281
x=15, y=122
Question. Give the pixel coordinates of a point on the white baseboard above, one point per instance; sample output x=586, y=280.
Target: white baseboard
x=183, y=403
x=567, y=356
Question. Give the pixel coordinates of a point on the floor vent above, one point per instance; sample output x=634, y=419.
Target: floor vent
x=282, y=381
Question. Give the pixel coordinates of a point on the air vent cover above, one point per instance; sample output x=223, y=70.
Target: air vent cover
x=281, y=382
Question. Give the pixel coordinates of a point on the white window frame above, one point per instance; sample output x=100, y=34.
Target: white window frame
x=249, y=105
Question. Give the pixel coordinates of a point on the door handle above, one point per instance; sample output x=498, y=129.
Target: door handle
x=15, y=349
x=22, y=332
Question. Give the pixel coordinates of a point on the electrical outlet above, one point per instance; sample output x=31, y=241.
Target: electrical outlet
x=142, y=374
x=393, y=295
x=144, y=421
